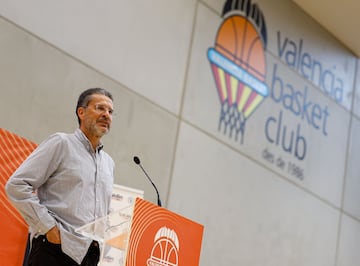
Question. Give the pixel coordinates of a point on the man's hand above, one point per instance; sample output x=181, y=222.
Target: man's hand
x=53, y=235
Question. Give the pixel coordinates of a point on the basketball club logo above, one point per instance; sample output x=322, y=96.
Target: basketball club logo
x=165, y=249
x=159, y=237
x=238, y=65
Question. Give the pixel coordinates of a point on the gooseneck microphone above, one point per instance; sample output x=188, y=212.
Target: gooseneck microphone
x=137, y=161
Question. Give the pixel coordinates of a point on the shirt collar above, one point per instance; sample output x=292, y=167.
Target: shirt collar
x=84, y=140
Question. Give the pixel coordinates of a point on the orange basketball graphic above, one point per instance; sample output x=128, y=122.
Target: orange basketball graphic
x=239, y=41
x=239, y=67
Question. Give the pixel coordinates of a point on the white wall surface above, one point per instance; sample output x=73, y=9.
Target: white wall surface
x=349, y=241
x=105, y=36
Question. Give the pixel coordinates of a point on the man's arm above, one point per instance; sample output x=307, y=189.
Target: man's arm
x=33, y=173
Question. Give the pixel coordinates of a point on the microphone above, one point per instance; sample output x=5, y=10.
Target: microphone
x=137, y=161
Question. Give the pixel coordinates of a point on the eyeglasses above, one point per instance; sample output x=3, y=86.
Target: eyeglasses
x=100, y=109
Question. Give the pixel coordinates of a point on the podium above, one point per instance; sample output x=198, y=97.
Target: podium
x=142, y=233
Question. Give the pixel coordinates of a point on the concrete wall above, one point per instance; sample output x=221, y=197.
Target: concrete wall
x=287, y=194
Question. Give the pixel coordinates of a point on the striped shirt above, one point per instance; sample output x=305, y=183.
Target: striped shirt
x=73, y=185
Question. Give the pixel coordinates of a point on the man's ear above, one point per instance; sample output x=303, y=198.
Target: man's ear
x=81, y=112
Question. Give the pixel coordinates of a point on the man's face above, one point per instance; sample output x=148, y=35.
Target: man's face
x=96, y=118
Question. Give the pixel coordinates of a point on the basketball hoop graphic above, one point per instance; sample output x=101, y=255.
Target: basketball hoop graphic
x=238, y=65
x=165, y=249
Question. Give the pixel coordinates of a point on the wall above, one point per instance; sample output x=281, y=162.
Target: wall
x=284, y=192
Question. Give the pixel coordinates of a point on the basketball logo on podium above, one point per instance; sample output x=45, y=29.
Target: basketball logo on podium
x=166, y=248
x=238, y=65
x=159, y=237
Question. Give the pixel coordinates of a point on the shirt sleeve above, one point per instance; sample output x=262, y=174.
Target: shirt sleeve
x=33, y=173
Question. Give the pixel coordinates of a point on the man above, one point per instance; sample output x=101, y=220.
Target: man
x=66, y=183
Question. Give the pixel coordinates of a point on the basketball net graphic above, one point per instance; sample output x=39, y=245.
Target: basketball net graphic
x=239, y=66
x=165, y=249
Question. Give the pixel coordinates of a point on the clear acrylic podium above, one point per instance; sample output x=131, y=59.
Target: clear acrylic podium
x=112, y=233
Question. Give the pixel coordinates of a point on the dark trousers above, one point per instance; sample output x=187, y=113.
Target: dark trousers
x=44, y=253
